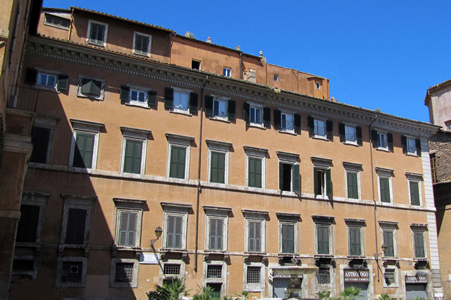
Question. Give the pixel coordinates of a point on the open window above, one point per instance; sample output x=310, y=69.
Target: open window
x=322, y=176
x=289, y=172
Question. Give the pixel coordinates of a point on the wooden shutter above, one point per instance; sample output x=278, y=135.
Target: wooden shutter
x=404, y=144
x=28, y=224
x=63, y=82
x=168, y=97
x=341, y=132
x=76, y=224
x=315, y=181
x=419, y=244
x=246, y=109
x=311, y=125
x=96, y=88
x=254, y=236
x=287, y=238
x=418, y=146
x=358, y=131
x=217, y=164
x=388, y=241
x=231, y=109
x=385, y=189
x=128, y=229
x=216, y=234
x=152, y=98
x=328, y=183
x=208, y=105
x=353, y=186
x=255, y=172
x=322, y=239
x=31, y=76
x=296, y=178
x=414, y=193
x=330, y=130
x=174, y=238
x=267, y=117
x=84, y=149
x=40, y=140
x=177, y=165
x=354, y=241
x=193, y=99
x=277, y=119
x=132, y=157
x=390, y=142
x=374, y=138
x=297, y=123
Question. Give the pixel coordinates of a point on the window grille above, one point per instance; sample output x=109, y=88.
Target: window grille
x=124, y=272
x=214, y=271
x=323, y=276
x=253, y=274
x=171, y=269
x=72, y=271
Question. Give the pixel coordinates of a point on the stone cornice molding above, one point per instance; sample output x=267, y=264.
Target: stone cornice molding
x=177, y=75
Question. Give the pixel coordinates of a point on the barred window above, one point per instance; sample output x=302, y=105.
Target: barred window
x=253, y=274
x=214, y=271
x=124, y=272
x=171, y=269
x=389, y=276
x=323, y=276
x=72, y=271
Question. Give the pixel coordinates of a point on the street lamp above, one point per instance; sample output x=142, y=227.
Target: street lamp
x=158, y=232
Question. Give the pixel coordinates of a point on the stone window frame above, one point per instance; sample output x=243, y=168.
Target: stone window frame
x=416, y=178
x=220, y=213
x=47, y=122
x=359, y=224
x=254, y=287
x=258, y=153
x=133, y=206
x=221, y=147
x=181, y=275
x=324, y=221
x=183, y=142
x=105, y=34
x=88, y=127
x=419, y=229
x=389, y=226
x=293, y=160
x=59, y=271
x=389, y=174
x=356, y=168
x=326, y=165
x=222, y=280
x=134, y=283
x=76, y=201
x=138, y=135
x=32, y=274
x=289, y=219
x=177, y=210
x=126, y=96
x=140, y=53
x=259, y=217
x=57, y=16
x=395, y=269
x=35, y=199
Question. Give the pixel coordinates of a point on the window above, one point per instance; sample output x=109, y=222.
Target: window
x=124, y=272
x=31, y=217
x=323, y=232
x=276, y=77
x=322, y=177
x=76, y=220
x=355, y=242
x=289, y=172
x=411, y=146
x=216, y=229
x=433, y=159
x=45, y=79
x=255, y=167
x=58, y=22
x=180, y=100
x=227, y=72
x=352, y=179
x=134, y=149
x=41, y=138
x=176, y=220
x=195, y=64
x=128, y=222
x=91, y=88
x=220, y=108
x=419, y=243
x=257, y=115
x=414, y=180
x=97, y=33
x=218, y=161
x=323, y=275
x=141, y=44
x=138, y=96
x=390, y=277
x=85, y=143
x=71, y=272
x=253, y=274
x=382, y=140
x=389, y=241
x=216, y=276
x=285, y=121
x=255, y=230
x=178, y=156
x=254, y=277
x=320, y=128
x=385, y=184
x=287, y=236
x=350, y=134
x=318, y=85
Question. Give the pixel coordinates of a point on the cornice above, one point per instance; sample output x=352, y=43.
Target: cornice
x=194, y=79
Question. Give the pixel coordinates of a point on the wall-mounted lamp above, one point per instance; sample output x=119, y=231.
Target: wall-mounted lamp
x=384, y=248
x=158, y=232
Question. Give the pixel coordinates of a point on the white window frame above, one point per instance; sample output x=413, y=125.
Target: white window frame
x=385, y=173
x=222, y=280
x=294, y=223
x=227, y=72
x=216, y=101
x=59, y=271
x=138, y=135
x=323, y=164
x=102, y=89
x=183, y=142
x=259, y=217
x=255, y=287
x=89, y=33
x=258, y=153
x=187, y=92
x=221, y=147
x=288, y=159
x=137, y=52
x=80, y=126
x=254, y=106
x=316, y=132
x=286, y=113
x=418, y=178
x=318, y=85
x=77, y=202
x=410, y=140
x=175, y=210
x=128, y=206
x=353, y=168
x=382, y=135
x=134, y=283
x=46, y=86
x=349, y=131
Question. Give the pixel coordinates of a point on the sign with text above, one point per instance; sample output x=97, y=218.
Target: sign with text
x=417, y=279
x=357, y=275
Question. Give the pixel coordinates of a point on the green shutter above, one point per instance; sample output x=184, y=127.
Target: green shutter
x=297, y=123
x=84, y=149
x=341, y=132
x=152, y=98
x=254, y=240
x=385, y=189
x=267, y=117
x=216, y=234
x=404, y=144
x=63, y=82
x=322, y=239
x=193, y=99
x=208, y=106
x=315, y=181
x=354, y=241
x=419, y=244
x=311, y=125
x=124, y=94
x=246, y=109
x=168, y=97
x=177, y=164
x=277, y=119
x=390, y=141
x=31, y=76
x=374, y=138
x=329, y=189
x=132, y=157
x=358, y=131
x=28, y=224
x=76, y=224
x=414, y=193
x=418, y=146
x=296, y=178
x=217, y=167
x=231, y=109
x=388, y=241
x=330, y=130
x=40, y=140
x=255, y=172
x=287, y=238
x=353, y=187
x=127, y=229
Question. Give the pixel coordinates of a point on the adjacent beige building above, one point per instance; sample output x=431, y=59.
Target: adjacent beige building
x=256, y=179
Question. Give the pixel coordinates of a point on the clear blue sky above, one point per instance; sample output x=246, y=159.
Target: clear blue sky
x=377, y=54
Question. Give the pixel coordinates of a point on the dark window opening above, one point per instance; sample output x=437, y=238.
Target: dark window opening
x=40, y=140
x=28, y=224
x=23, y=265
x=285, y=182
x=216, y=290
x=72, y=272
x=195, y=65
x=124, y=272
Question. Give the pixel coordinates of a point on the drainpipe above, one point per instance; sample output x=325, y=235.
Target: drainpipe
x=241, y=54
x=199, y=187
x=374, y=198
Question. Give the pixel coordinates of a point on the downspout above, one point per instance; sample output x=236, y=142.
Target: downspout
x=241, y=54
x=199, y=187
x=374, y=198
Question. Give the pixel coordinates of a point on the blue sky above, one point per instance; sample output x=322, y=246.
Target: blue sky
x=377, y=54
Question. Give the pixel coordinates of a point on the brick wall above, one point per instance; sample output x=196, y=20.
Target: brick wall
x=440, y=146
